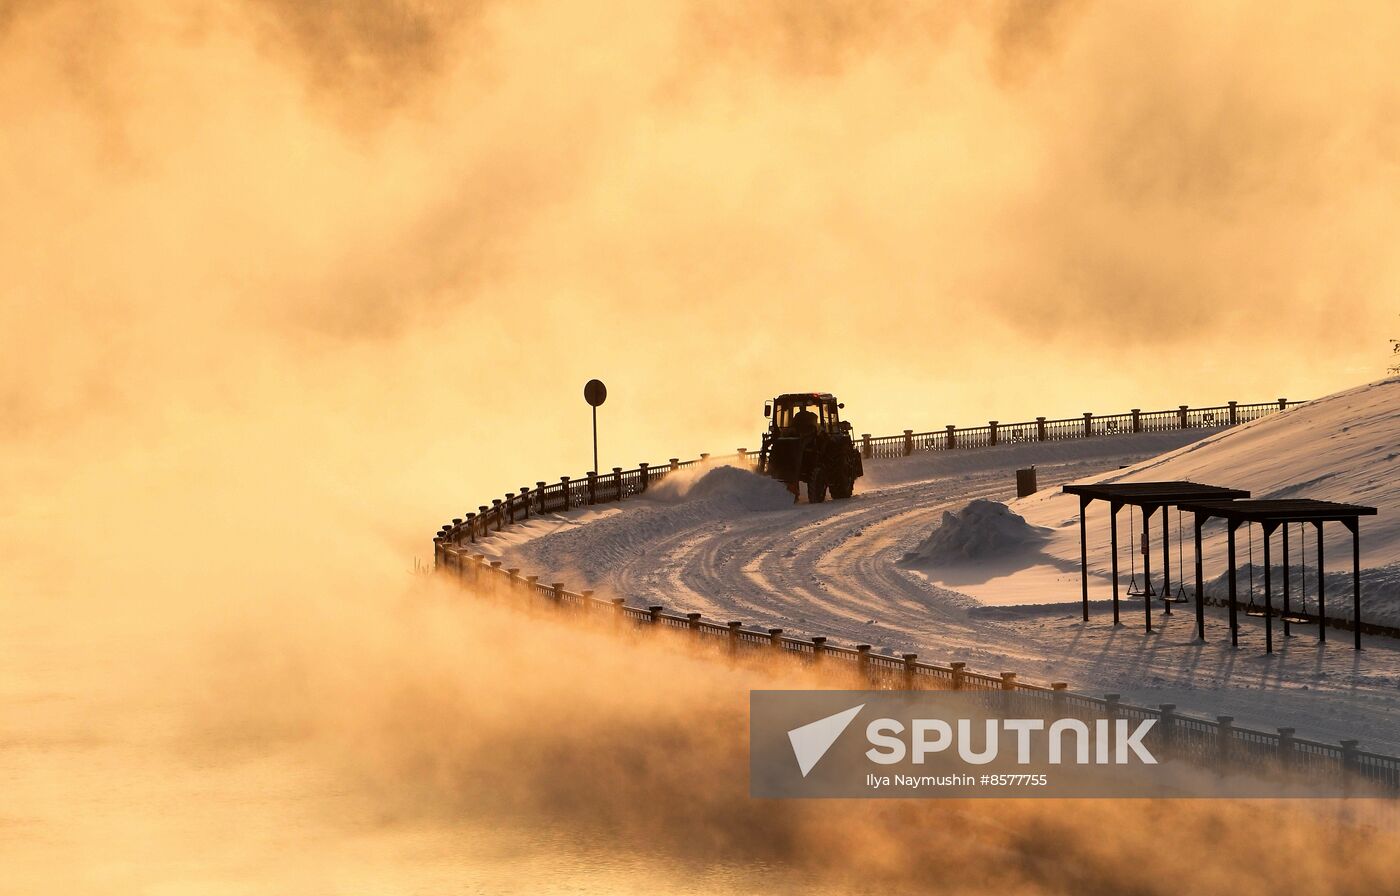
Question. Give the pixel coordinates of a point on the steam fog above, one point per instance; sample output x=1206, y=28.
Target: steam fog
x=284, y=289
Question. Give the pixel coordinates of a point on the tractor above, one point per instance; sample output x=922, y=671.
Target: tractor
x=807, y=441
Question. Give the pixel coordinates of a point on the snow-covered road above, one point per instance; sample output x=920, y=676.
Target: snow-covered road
x=833, y=569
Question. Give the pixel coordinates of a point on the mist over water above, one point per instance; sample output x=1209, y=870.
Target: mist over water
x=283, y=289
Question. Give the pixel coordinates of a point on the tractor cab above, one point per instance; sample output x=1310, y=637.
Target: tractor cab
x=807, y=441
x=805, y=413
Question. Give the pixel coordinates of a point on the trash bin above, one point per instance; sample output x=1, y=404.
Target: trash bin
x=1025, y=482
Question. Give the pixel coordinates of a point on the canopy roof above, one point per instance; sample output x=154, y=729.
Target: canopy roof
x=1155, y=494
x=1281, y=511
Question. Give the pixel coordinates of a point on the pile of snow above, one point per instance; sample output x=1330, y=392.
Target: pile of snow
x=981, y=530
x=723, y=484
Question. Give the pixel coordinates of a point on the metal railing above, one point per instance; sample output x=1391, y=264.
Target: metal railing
x=1216, y=744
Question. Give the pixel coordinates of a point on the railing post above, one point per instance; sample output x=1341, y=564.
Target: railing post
x=515, y=581
x=818, y=648
x=617, y=483
x=483, y=520
x=471, y=527
x=510, y=507
x=1137, y=419
x=1168, y=724
x=1225, y=734
x=1234, y=412
x=1111, y=707
x=568, y=503
x=592, y=487
x=704, y=456
x=1283, y=404
x=1040, y=429
x=1088, y=424
x=500, y=514
x=959, y=674
x=525, y=499
x=863, y=659
x=910, y=659
x=1008, y=681
x=1349, y=758
x=1057, y=697
x=992, y=432
x=586, y=603
x=952, y=436
x=616, y=612
x=645, y=475
x=908, y=442
x=694, y=621
x=675, y=464
x=865, y=445
x=655, y=613
x=558, y=594
x=1286, y=745
x=734, y=636
x=743, y=456
x=454, y=532
x=775, y=639
x=1181, y=416
x=539, y=490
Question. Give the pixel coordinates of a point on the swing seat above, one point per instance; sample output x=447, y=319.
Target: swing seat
x=1178, y=598
x=1257, y=612
x=1295, y=619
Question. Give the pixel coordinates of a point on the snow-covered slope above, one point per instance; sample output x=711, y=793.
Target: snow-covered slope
x=1344, y=447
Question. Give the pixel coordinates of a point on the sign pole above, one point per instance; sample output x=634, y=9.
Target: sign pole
x=595, y=393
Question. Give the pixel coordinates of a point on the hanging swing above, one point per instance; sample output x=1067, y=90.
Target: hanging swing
x=1180, y=596
x=1251, y=610
x=1301, y=617
x=1133, y=589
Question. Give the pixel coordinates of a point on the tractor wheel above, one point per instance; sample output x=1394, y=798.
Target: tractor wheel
x=816, y=487
x=843, y=488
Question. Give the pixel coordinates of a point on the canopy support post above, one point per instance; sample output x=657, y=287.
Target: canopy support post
x=1084, y=556
x=1200, y=585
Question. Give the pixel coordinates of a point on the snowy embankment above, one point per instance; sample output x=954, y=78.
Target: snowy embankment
x=1345, y=447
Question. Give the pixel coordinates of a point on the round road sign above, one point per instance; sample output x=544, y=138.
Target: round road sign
x=595, y=393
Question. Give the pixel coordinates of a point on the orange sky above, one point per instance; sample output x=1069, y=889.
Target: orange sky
x=378, y=249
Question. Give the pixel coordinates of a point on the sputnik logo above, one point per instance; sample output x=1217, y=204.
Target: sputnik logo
x=811, y=741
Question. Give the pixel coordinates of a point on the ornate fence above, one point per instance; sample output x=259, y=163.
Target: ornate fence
x=605, y=487
x=1215, y=744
